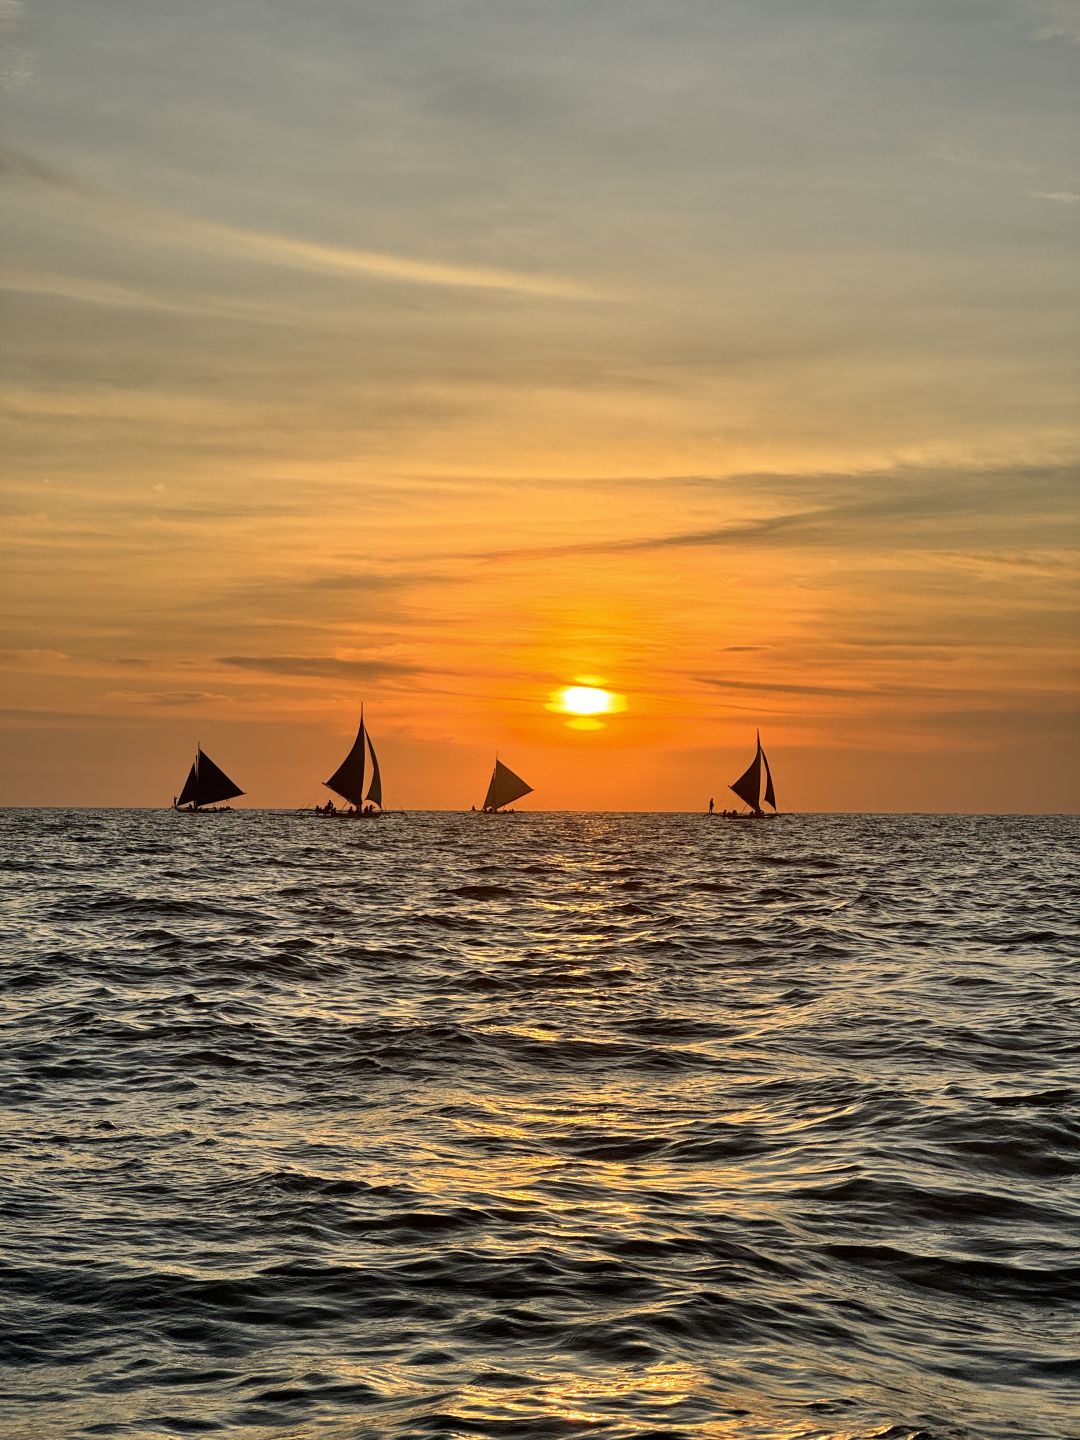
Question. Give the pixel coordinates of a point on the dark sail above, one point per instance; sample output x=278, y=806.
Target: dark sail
x=374, y=790
x=207, y=784
x=770, y=793
x=348, y=779
x=748, y=785
x=191, y=786
x=505, y=787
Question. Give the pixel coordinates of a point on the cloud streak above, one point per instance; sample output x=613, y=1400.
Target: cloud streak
x=897, y=499
x=323, y=667
x=123, y=215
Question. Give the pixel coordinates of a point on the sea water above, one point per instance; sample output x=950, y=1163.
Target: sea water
x=542, y=1126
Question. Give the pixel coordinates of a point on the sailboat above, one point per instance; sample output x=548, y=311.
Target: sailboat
x=504, y=788
x=748, y=788
x=206, y=785
x=348, y=780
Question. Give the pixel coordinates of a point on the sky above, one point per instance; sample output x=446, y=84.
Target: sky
x=438, y=354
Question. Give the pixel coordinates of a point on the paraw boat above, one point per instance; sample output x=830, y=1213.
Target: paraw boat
x=205, y=788
x=357, y=781
x=748, y=788
x=504, y=788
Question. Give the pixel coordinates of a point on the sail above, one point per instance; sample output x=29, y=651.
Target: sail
x=207, y=784
x=770, y=793
x=348, y=779
x=505, y=787
x=748, y=785
x=191, y=786
x=374, y=789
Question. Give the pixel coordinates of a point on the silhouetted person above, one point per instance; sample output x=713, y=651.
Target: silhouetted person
x=712, y=804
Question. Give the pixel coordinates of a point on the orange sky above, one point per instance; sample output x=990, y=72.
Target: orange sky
x=435, y=359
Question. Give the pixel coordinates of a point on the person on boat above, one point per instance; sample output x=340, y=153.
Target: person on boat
x=712, y=804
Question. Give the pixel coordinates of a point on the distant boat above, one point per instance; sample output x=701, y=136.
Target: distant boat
x=748, y=788
x=348, y=780
x=504, y=789
x=206, y=785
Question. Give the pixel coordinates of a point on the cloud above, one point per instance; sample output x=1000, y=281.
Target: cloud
x=20, y=165
x=323, y=666
x=167, y=697
x=33, y=658
x=767, y=687
x=127, y=297
x=347, y=582
x=124, y=215
x=914, y=506
x=1060, y=197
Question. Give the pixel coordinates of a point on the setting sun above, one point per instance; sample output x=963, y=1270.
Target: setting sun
x=585, y=700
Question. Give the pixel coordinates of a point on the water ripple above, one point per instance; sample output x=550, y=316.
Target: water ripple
x=619, y=1126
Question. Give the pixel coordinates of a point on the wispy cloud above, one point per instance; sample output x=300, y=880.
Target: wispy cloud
x=913, y=506
x=115, y=213
x=166, y=698
x=102, y=293
x=323, y=666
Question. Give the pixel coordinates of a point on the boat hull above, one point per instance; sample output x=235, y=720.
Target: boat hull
x=342, y=815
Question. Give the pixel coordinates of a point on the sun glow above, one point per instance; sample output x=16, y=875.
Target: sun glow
x=587, y=703
x=585, y=700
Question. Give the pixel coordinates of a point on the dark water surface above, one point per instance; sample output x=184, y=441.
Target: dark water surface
x=612, y=1126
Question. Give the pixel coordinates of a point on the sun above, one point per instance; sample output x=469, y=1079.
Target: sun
x=585, y=700
x=587, y=703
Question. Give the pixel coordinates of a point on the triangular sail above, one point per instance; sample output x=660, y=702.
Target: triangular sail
x=191, y=786
x=207, y=784
x=214, y=784
x=348, y=779
x=748, y=785
x=505, y=787
x=374, y=789
x=770, y=793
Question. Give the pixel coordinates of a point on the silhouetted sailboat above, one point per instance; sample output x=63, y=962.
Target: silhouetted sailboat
x=505, y=787
x=206, y=785
x=348, y=780
x=748, y=788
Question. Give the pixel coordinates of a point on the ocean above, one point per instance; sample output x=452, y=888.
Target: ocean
x=635, y=1127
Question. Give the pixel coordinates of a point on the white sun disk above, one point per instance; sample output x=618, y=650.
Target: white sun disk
x=585, y=700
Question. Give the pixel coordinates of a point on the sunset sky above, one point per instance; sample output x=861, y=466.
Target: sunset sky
x=440, y=353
